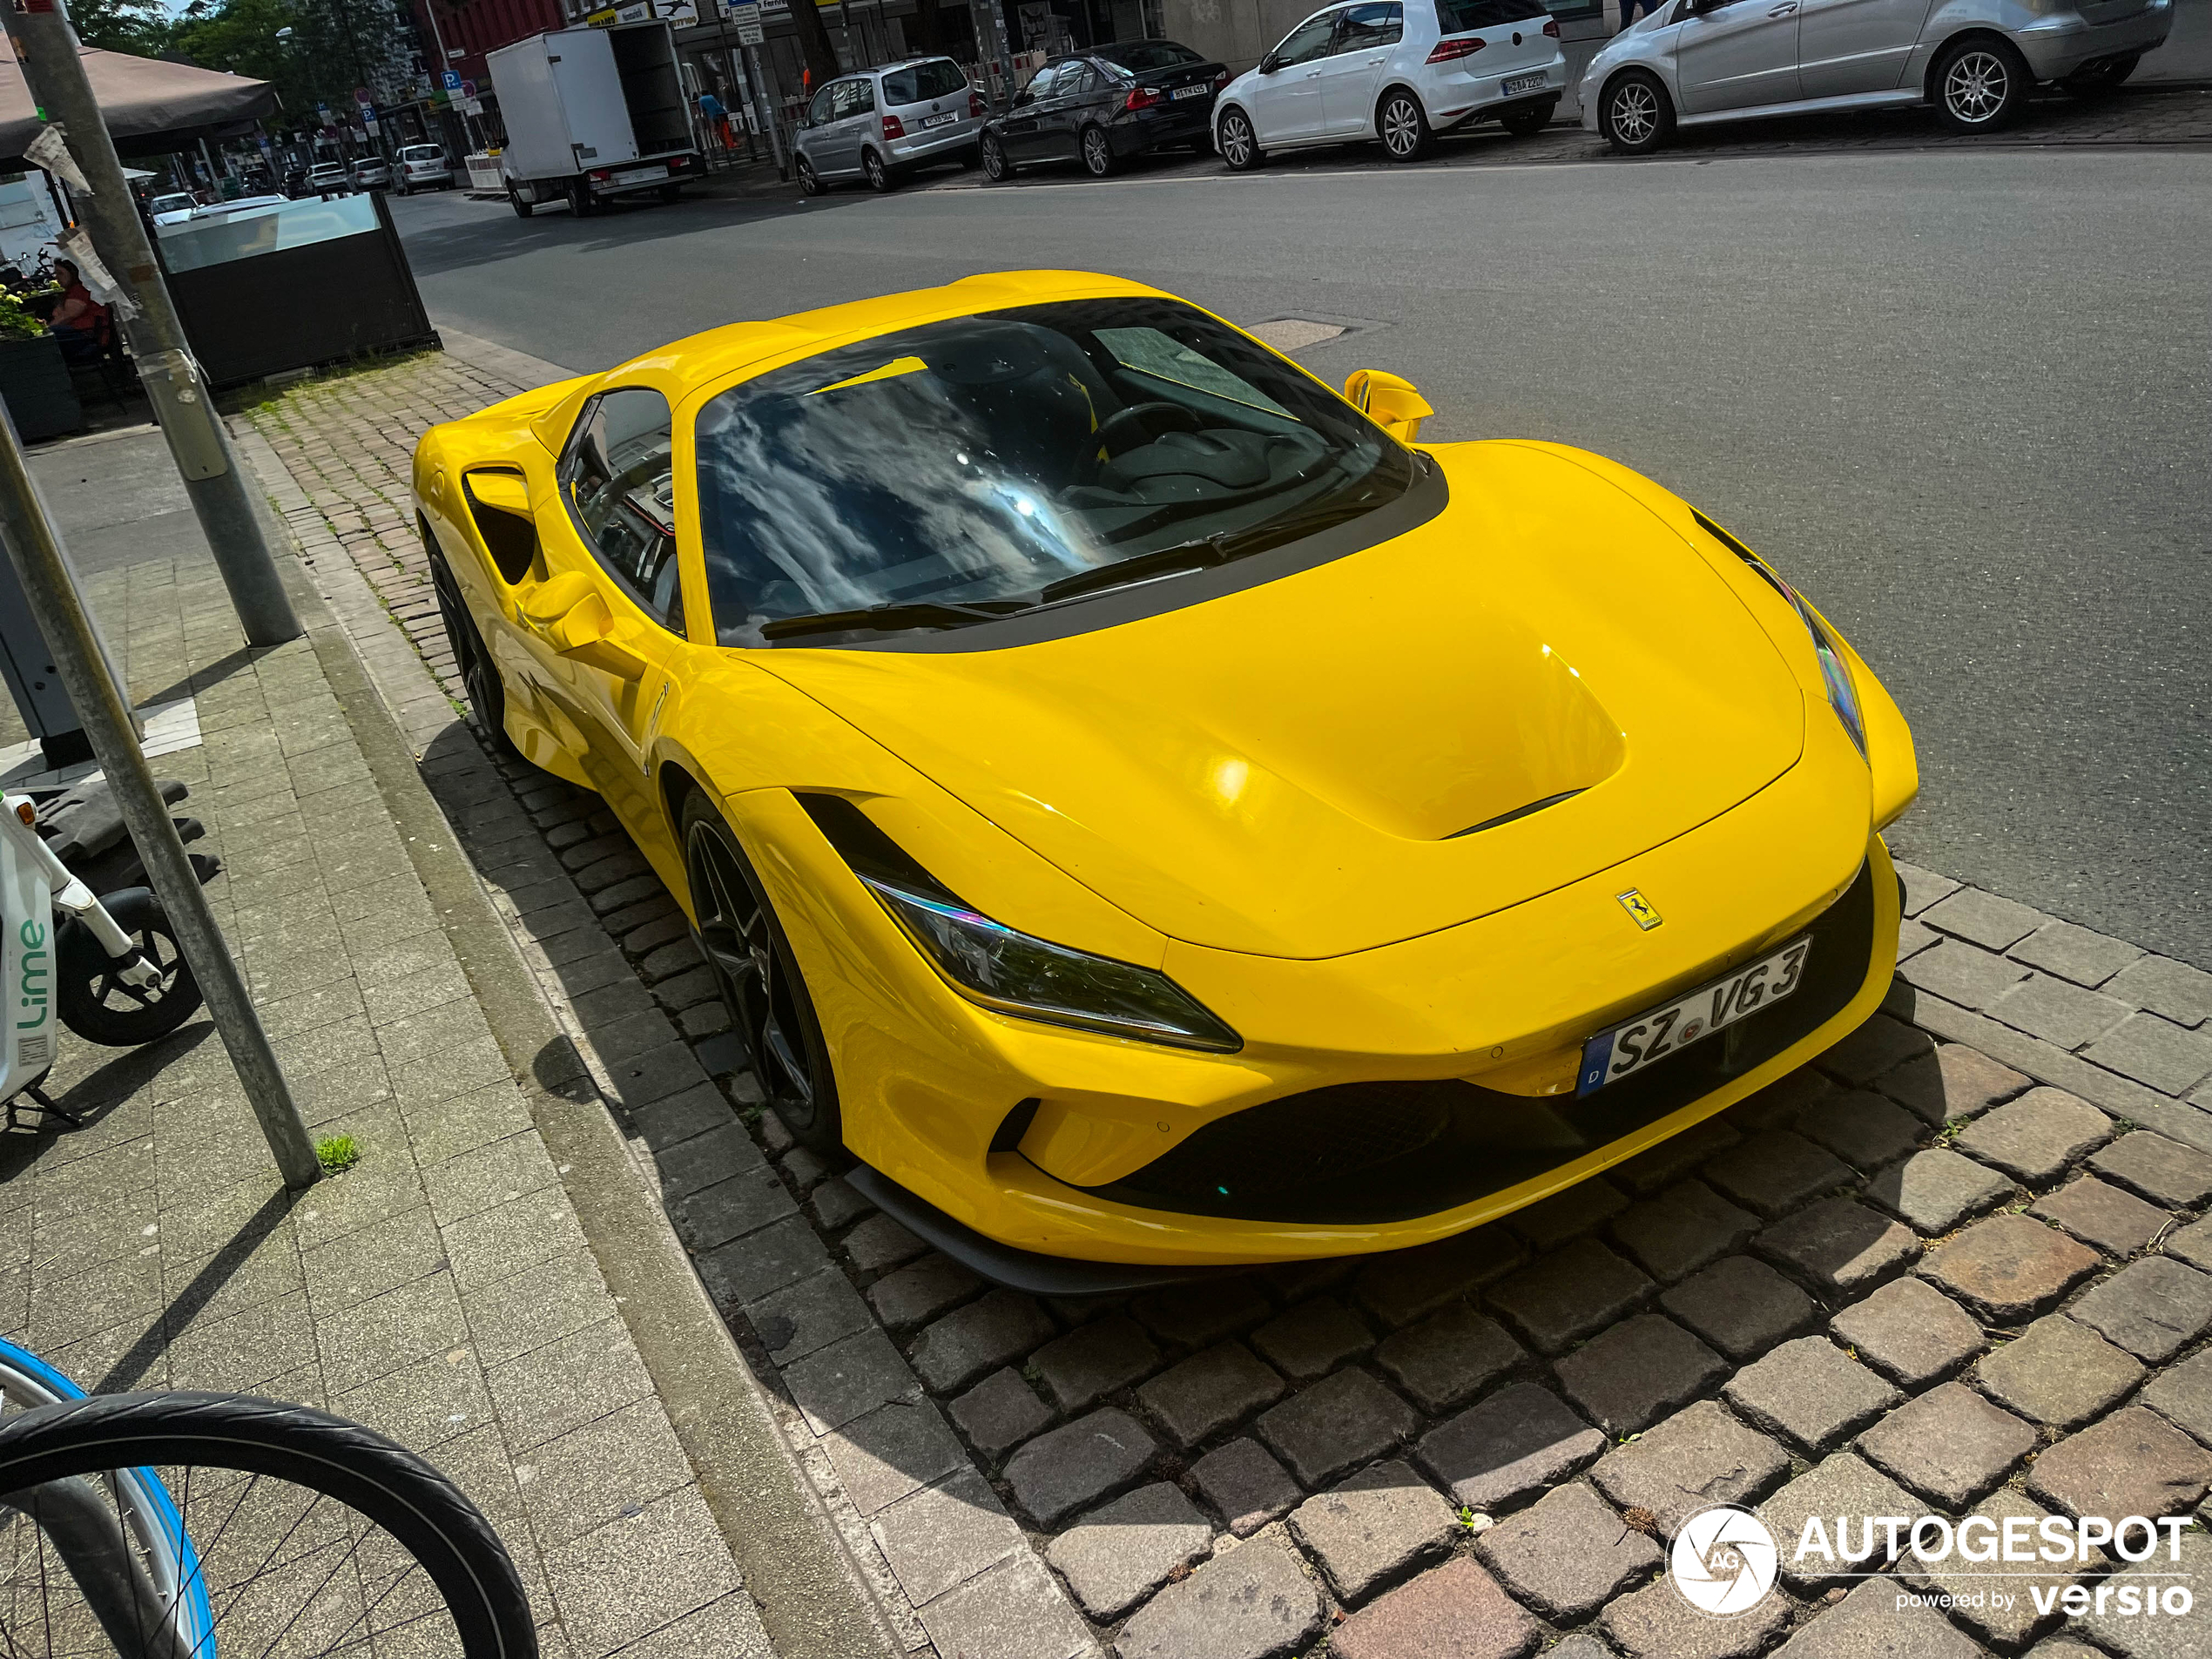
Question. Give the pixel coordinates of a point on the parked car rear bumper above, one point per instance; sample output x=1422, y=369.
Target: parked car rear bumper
x=1183, y=121
x=937, y=143
x=2057, y=45
x=1455, y=99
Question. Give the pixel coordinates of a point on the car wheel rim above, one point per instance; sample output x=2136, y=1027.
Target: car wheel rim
x=1236, y=141
x=1974, y=89
x=875, y=173
x=1094, y=156
x=994, y=163
x=1636, y=112
x=1401, y=127
x=740, y=946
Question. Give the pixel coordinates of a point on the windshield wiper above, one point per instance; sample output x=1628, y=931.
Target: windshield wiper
x=890, y=618
x=1161, y=561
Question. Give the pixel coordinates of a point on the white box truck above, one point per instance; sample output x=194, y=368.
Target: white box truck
x=594, y=114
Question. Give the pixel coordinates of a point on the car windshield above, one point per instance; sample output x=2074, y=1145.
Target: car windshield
x=919, y=82
x=1143, y=54
x=178, y=204
x=979, y=462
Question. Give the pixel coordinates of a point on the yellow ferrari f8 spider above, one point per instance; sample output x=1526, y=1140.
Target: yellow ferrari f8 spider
x=1143, y=807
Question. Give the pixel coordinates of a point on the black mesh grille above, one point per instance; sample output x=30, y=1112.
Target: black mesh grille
x=1359, y=1153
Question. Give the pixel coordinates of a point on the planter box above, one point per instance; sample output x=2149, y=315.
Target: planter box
x=35, y=383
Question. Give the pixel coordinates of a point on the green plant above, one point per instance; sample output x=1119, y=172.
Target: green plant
x=337, y=1153
x=15, y=323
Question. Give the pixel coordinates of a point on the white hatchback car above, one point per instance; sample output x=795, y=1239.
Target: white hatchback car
x=1401, y=71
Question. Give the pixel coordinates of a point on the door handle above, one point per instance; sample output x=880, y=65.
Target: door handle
x=1784, y=10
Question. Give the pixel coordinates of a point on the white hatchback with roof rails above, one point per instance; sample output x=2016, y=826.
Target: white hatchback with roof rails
x=1399, y=70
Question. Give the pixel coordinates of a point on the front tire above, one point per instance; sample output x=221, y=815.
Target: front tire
x=810, y=182
x=1097, y=151
x=479, y=675
x=96, y=1003
x=1980, y=84
x=996, y=167
x=1239, y=143
x=522, y=204
x=1637, y=116
x=736, y=929
x=1403, y=126
x=878, y=172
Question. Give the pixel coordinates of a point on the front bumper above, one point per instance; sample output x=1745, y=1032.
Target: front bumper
x=1470, y=1029
x=2058, y=46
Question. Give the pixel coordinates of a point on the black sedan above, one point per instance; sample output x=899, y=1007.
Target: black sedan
x=1105, y=104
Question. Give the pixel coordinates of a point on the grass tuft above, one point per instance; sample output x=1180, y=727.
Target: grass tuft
x=338, y=1153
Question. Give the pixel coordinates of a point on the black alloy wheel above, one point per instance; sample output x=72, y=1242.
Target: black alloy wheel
x=736, y=929
x=996, y=167
x=809, y=180
x=1239, y=143
x=91, y=993
x=479, y=676
x=1980, y=84
x=878, y=172
x=1097, y=151
x=1636, y=115
x=1403, y=124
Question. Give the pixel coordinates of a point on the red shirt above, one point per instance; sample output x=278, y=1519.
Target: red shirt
x=79, y=310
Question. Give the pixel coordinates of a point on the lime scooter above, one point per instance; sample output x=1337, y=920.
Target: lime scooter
x=107, y=968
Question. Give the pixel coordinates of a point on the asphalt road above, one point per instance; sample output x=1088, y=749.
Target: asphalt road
x=1960, y=398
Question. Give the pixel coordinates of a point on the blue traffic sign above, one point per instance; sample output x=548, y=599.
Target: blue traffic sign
x=453, y=80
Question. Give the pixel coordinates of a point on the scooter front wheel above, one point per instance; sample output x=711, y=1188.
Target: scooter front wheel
x=96, y=1003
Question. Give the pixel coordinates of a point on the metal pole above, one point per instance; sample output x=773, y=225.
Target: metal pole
x=221, y=495
x=100, y=703
x=767, y=105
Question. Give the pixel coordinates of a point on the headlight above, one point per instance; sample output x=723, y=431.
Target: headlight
x=1037, y=979
x=1842, y=697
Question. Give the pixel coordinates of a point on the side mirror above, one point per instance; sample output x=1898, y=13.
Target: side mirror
x=1270, y=64
x=504, y=490
x=1021, y=97
x=1390, y=401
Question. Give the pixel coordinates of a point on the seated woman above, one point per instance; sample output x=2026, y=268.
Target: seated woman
x=80, y=322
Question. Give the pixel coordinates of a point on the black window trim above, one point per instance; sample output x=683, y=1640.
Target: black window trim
x=643, y=602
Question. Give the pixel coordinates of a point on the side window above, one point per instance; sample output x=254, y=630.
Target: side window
x=818, y=110
x=845, y=100
x=1374, y=25
x=864, y=97
x=1309, y=40
x=619, y=482
x=1079, y=78
x=1041, y=83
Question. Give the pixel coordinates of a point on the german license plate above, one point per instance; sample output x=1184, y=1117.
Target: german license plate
x=1514, y=83
x=1192, y=91
x=945, y=119
x=1634, y=1044
x=640, y=175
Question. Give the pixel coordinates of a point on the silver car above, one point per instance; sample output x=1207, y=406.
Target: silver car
x=372, y=172
x=878, y=125
x=1695, y=62
x=423, y=166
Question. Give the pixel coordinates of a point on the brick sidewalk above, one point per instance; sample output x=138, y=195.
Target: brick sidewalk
x=440, y=1291
x=1915, y=1278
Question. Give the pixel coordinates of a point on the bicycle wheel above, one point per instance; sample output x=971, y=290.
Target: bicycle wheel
x=312, y=1536
x=165, y=1556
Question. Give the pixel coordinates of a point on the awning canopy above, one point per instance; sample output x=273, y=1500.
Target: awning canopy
x=152, y=107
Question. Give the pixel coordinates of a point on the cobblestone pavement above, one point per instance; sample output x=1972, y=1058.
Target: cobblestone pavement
x=440, y=1291
x=2137, y=115
x=1956, y=1267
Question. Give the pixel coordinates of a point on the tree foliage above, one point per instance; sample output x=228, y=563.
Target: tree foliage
x=334, y=46
x=139, y=27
